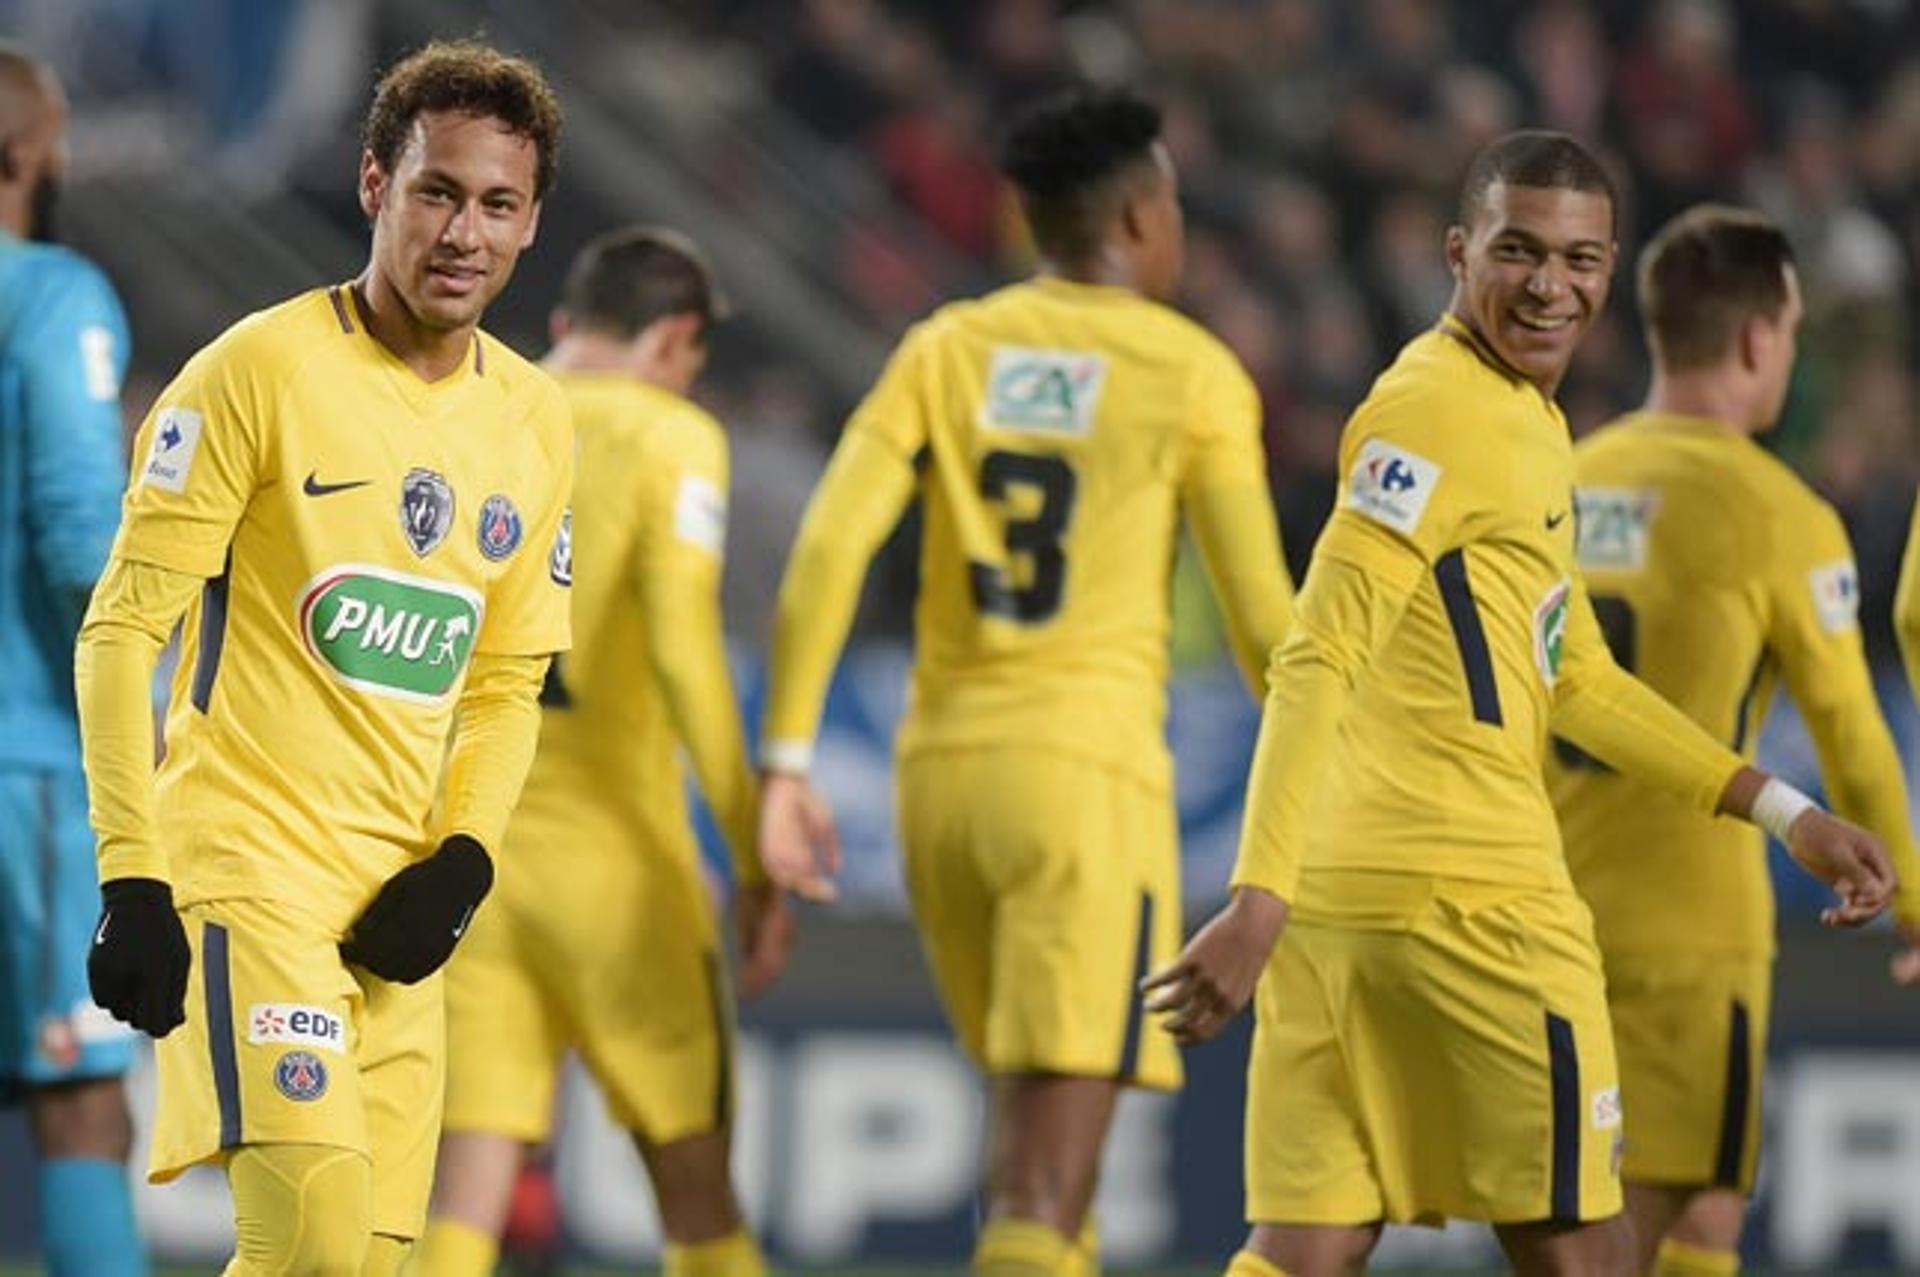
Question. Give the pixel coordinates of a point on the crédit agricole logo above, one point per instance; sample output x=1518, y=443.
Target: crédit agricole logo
x=389, y=633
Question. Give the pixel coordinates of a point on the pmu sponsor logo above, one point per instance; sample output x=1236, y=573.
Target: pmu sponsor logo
x=292, y=1022
x=388, y=633
x=1550, y=631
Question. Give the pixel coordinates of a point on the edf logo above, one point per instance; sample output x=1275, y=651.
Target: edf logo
x=289, y=1022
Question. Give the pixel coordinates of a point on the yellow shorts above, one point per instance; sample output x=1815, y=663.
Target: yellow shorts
x=1430, y=1049
x=1692, y=1037
x=1045, y=887
x=285, y=1044
x=600, y=939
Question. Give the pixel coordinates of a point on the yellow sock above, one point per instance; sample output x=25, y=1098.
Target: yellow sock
x=1678, y=1259
x=735, y=1255
x=1247, y=1264
x=454, y=1248
x=1020, y=1248
x=1083, y=1260
x=387, y=1255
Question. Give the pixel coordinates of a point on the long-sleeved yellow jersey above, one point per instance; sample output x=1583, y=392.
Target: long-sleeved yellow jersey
x=1057, y=433
x=1718, y=577
x=366, y=540
x=1906, y=605
x=648, y=671
x=1442, y=632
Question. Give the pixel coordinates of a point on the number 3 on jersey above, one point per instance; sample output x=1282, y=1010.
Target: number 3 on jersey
x=1037, y=536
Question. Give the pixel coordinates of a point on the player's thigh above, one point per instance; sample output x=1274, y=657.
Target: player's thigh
x=402, y=1063
x=952, y=909
x=1514, y=1114
x=267, y=1054
x=1691, y=1035
x=1079, y=868
x=505, y=1037
x=299, y=1208
x=651, y=1007
x=50, y=1030
x=1309, y=1160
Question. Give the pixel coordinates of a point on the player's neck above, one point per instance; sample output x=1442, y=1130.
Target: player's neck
x=432, y=353
x=1105, y=271
x=605, y=355
x=1701, y=396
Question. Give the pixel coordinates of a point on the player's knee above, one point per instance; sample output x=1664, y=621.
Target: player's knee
x=300, y=1210
x=82, y=1119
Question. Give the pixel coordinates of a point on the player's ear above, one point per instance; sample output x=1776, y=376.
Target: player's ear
x=1457, y=251
x=373, y=185
x=557, y=326
x=533, y=227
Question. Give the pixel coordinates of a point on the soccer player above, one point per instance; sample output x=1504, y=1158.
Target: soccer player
x=1906, y=609
x=1718, y=577
x=1432, y=1036
x=1058, y=433
x=601, y=936
x=356, y=499
x=63, y=350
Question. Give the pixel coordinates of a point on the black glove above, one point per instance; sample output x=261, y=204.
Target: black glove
x=137, y=967
x=420, y=914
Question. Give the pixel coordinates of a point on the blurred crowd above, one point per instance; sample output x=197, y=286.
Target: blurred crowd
x=1320, y=144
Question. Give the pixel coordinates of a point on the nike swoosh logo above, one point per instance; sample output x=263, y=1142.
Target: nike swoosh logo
x=1555, y=520
x=460, y=927
x=314, y=488
x=100, y=936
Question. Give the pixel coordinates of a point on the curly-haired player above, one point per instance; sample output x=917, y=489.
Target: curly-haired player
x=356, y=499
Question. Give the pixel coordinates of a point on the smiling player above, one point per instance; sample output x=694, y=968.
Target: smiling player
x=356, y=498
x=1432, y=1035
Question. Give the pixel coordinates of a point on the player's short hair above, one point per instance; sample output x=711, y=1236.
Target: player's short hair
x=1067, y=154
x=1540, y=158
x=623, y=280
x=1703, y=275
x=470, y=78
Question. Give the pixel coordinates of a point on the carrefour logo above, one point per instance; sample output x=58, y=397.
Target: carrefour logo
x=1392, y=474
x=388, y=633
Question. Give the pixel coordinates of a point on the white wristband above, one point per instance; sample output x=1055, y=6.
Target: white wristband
x=1777, y=806
x=792, y=756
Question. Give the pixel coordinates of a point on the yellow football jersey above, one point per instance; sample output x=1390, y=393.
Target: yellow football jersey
x=649, y=522
x=362, y=533
x=1442, y=627
x=1718, y=576
x=1056, y=433
x=1906, y=605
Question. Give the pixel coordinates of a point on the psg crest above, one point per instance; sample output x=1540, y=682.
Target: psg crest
x=301, y=1076
x=500, y=527
x=426, y=510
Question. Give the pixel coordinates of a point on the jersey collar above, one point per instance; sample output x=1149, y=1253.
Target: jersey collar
x=351, y=315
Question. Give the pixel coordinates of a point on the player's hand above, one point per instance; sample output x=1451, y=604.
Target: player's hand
x=765, y=921
x=1905, y=965
x=1214, y=976
x=137, y=968
x=409, y=930
x=799, y=843
x=1846, y=858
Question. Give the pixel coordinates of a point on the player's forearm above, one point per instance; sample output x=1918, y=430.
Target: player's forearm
x=1238, y=538
x=859, y=500
x=133, y=611
x=687, y=644
x=1630, y=727
x=1345, y=615
x=498, y=727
